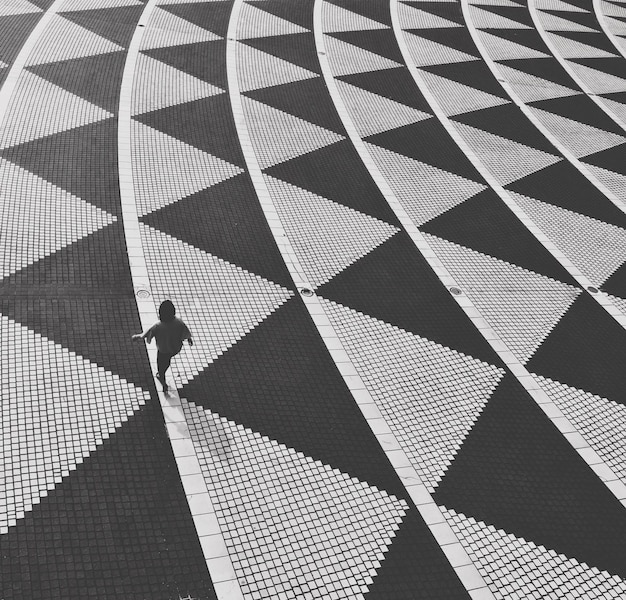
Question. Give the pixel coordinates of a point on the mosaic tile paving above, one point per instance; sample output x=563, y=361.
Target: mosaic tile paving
x=397, y=233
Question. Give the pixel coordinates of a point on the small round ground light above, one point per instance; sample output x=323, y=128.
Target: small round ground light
x=592, y=290
x=455, y=291
x=143, y=294
x=306, y=292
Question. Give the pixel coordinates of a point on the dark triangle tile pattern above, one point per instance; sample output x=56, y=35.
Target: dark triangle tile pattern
x=407, y=294
x=610, y=66
x=97, y=329
x=94, y=78
x=335, y=161
x=474, y=74
x=307, y=99
x=428, y=142
x=300, y=13
x=583, y=4
x=563, y=185
x=96, y=265
x=507, y=121
x=616, y=97
x=297, y=48
x=585, y=19
x=117, y=527
x=616, y=283
x=414, y=567
x=611, y=159
x=204, y=60
x=43, y=4
x=447, y=10
x=396, y=84
x=587, y=350
x=517, y=472
x=485, y=224
x=525, y=37
x=547, y=68
x=596, y=40
x=379, y=41
x=377, y=11
x=226, y=220
x=514, y=13
x=293, y=393
x=116, y=24
x=582, y=109
x=206, y=124
x=212, y=16
x=453, y=37
x=82, y=161
x=15, y=29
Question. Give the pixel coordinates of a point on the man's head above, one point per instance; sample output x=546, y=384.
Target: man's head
x=167, y=311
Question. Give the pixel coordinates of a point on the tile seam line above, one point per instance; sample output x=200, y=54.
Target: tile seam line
x=12, y=77
x=612, y=482
x=416, y=491
x=516, y=368
x=508, y=88
x=176, y=426
x=602, y=21
x=533, y=11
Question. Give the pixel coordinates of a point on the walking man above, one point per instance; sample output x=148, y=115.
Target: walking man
x=169, y=332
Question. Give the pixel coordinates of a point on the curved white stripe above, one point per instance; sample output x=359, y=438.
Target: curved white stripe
x=212, y=541
x=602, y=20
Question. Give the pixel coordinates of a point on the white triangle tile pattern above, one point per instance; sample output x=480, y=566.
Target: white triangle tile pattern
x=178, y=31
x=256, y=23
x=615, y=182
x=505, y=159
x=39, y=108
x=568, y=48
x=39, y=218
x=426, y=52
x=18, y=7
x=579, y=138
x=219, y=301
x=525, y=570
x=257, y=69
x=595, y=247
x=455, y=98
x=346, y=59
x=267, y=125
x=167, y=170
x=327, y=237
x=502, y=49
x=56, y=409
x=64, y=40
x=600, y=421
x=158, y=85
x=533, y=89
x=336, y=19
x=597, y=81
x=383, y=114
x=410, y=17
x=75, y=5
x=485, y=19
x=424, y=191
x=617, y=108
x=553, y=23
x=310, y=518
x=428, y=394
x=521, y=306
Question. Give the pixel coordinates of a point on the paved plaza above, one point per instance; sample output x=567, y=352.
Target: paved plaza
x=397, y=232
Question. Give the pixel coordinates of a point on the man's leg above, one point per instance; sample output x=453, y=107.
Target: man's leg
x=163, y=364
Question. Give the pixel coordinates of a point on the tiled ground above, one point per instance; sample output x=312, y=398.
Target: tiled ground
x=397, y=231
